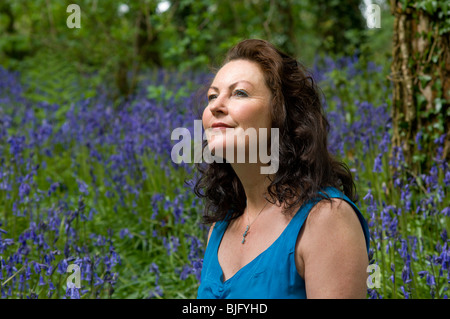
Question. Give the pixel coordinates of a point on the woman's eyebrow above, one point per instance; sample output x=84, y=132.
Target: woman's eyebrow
x=232, y=85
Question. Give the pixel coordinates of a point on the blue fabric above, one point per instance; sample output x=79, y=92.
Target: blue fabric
x=272, y=274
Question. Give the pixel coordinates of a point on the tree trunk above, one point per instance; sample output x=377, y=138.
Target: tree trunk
x=421, y=81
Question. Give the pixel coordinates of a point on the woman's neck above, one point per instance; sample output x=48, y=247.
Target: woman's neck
x=255, y=186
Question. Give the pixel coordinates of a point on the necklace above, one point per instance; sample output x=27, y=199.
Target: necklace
x=248, y=225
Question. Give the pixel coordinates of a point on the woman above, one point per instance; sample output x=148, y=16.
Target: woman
x=295, y=233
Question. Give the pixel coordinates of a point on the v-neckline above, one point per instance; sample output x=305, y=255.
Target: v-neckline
x=254, y=259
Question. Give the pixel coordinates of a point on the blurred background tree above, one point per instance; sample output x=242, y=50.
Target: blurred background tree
x=340, y=26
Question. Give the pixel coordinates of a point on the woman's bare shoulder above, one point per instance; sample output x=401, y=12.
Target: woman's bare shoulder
x=332, y=221
x=331, y=251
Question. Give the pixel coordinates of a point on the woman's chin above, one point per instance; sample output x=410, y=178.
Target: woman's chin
x=233, y=155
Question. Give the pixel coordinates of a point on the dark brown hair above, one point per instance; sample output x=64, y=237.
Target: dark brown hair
x=305, y=164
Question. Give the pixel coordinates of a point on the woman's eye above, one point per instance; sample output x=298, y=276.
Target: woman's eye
x=241, y=93
x=211, y=96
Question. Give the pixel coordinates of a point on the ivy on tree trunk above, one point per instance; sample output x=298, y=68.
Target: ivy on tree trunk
x=420, y=72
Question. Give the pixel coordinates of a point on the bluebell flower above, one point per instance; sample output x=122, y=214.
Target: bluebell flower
x=87, y=273
x=157, y=292
x=41, y=281
x=406, y=272
x=62, y=267
x=185, y=272
x=171, y=244
x=28, y=272
x=49, y=270
x=115, y=258
x=447, y=178
x=24, y=190
x=373, y=294
x=377, y=165
x=73, y=293
x=66, y=247
x=82, y=187
x=368, y=196
x=393, y=273
x=37, y=268
x=154, y=268
x=21, y=278
x=444, y=236
x=125, y=232
x=440, y=140
x=430, y=280
x=197, y=268
x=17, y=145
x=32, y=295
x=402, y=288
x=98, y=280
x=418, y=140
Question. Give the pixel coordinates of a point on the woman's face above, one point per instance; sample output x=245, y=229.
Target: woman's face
x=239, y=101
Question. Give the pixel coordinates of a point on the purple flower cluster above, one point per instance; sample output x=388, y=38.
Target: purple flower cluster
x=80, y=187
x=35, y=261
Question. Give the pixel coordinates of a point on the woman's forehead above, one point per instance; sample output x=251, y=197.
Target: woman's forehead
x=239, y=71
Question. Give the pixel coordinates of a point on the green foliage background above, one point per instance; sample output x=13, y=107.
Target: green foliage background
x=191, y=34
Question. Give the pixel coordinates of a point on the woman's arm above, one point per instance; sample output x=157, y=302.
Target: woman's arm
x=331, y=252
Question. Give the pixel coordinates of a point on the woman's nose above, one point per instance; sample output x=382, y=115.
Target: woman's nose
x=218, y=104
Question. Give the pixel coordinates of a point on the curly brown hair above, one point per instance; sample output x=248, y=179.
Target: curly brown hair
x=305, y=163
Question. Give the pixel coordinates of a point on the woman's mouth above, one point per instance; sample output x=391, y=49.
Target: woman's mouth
x=220, y=126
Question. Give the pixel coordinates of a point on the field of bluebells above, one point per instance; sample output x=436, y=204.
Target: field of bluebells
x=89, y=182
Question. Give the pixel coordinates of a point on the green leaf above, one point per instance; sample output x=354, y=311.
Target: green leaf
x=424, y=79
x=420, y=99
x=438, y=104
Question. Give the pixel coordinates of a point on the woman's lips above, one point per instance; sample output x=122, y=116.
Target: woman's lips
x=220, y=126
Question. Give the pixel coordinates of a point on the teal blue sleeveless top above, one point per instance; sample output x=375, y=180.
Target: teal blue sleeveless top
x=272, y=274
